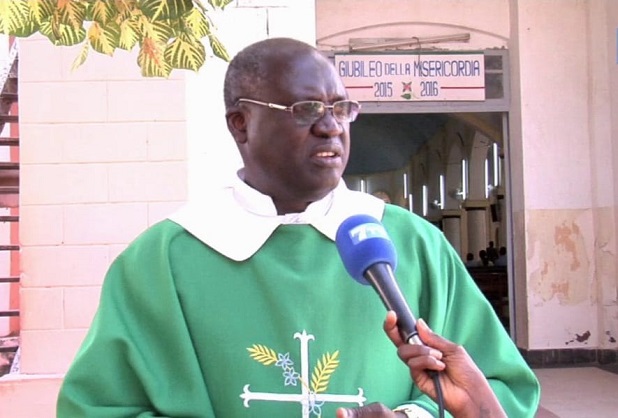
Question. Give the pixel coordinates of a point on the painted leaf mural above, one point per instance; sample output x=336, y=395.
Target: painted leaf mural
x=170, y=34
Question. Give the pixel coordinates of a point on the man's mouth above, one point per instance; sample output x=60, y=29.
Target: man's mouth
x=328, y=159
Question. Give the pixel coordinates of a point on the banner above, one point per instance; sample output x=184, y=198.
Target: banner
x=413, y=77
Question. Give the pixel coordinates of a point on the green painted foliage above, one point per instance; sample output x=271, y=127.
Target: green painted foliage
x=102, y=12
x=170, y=34
x=186, y=52
x=15, y=18
x=164, y=9
x=104, y=38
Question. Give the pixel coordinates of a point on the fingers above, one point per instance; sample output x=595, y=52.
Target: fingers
x=425, y=333
x=421, y=357
x=423, y=363
x=436, y=341
x=375, y=409
x=430, y=338
x=418, y=357
x=391, y=329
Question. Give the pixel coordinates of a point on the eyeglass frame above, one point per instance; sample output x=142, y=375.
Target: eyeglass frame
x=290, y=108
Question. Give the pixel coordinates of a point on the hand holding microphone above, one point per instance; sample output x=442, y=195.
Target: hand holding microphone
x=370, y=258
x=420, y=359
x=466, y=390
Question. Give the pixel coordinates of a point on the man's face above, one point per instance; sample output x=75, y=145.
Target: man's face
x=295, y=164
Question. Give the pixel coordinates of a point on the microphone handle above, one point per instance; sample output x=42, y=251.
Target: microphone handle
x=382, y=279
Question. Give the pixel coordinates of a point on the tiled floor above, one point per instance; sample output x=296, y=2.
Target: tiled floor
x=578, y=392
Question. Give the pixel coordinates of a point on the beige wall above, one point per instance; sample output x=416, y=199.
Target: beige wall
x=341, y=20
x=608, y=289
x=100, y=162
x=561, y=135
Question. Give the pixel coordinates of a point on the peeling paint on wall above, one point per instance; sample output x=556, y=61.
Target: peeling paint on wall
x=563, y=237
x=560, y=268
x=606, y=274
x=583, y=338
x=605, y=256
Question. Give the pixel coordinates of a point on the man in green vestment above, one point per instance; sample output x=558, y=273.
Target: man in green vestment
x=238, y=305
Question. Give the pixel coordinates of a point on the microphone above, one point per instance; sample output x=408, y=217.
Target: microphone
x=370, y=258
x=369, y=255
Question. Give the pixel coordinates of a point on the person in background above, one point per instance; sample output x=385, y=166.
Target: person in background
x=239, y=305
x=381, y=194
x=470, y=261
x=501, y=260
x=492, y=252
x=483, y=258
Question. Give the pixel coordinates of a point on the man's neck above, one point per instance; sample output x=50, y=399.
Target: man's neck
x=285, y=207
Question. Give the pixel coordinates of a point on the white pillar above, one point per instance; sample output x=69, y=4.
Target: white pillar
x=477, y=229
x=451, y=226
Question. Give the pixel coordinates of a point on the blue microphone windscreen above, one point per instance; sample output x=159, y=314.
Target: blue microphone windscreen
x=362, y=242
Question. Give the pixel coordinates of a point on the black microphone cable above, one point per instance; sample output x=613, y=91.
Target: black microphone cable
x=435, y=376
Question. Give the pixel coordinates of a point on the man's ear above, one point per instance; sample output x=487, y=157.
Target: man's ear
x=237, y=124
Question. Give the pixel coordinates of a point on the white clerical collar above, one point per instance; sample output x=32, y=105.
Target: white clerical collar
x=236, y=220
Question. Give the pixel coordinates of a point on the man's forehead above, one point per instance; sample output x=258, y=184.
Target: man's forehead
x=308, y=82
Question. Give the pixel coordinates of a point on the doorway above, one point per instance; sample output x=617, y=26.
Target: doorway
x=448, y=168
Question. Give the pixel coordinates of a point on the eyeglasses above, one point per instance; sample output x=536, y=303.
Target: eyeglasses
x=310, y=111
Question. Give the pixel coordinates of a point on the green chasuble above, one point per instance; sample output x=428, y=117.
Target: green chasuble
x=183, y=331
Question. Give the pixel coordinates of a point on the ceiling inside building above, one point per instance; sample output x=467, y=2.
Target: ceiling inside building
x=386, y=142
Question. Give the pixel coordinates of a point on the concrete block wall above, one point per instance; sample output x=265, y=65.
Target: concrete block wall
x=103, y=157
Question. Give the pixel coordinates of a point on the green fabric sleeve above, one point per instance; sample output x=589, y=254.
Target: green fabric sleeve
x=447, y=298
x=122, y=369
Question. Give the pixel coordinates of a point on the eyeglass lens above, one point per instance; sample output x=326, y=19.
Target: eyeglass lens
x=310, y=111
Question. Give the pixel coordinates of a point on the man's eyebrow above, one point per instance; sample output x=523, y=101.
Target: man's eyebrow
x=331, y=99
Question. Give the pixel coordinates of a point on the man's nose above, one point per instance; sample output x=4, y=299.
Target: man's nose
x=327, y=126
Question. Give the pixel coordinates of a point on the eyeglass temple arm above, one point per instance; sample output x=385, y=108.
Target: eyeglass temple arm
x=271, y=105
x=279, y=107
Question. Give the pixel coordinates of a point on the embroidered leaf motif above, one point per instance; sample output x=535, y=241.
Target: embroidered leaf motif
x=321, y=374
x=263, y=354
